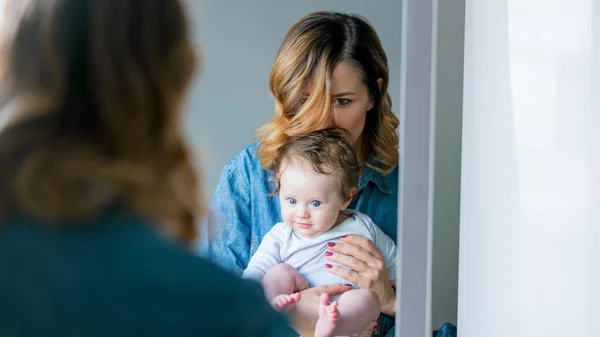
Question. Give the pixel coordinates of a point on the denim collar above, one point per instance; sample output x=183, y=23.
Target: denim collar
x=382, y=182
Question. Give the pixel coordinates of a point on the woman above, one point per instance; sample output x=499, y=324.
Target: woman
x=331, y=71
x=98, y=197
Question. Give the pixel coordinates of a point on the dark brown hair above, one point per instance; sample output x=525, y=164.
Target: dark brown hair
x=92, y=92
x=312, y=48
x=327, y=151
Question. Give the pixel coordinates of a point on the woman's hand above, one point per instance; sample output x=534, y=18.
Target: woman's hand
x=304, y=314
x=368, y=268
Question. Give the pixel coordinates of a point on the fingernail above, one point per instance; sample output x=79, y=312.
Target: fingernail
x=348, y=284
x=343, y=236
x=327, y=265
x=330, y=244
x=328, y=253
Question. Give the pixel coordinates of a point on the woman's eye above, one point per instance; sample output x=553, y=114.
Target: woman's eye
x=292, y=201
x=316, y=203
x=342, y=101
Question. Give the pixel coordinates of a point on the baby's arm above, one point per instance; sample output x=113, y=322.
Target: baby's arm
x=266, y=257
x=279, y=280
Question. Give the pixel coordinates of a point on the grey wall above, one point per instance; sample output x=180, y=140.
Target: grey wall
x=239, y=41
x=448, y=134
x=431, y=116
x=415, y=197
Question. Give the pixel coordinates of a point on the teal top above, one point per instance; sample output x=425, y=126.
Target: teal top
x=116, y=276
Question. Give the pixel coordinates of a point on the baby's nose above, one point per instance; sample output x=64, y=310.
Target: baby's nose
x=303, y=213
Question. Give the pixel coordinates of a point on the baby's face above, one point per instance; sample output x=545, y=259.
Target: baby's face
x=310, y=202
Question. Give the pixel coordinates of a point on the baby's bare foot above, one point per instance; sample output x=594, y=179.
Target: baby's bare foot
x=328, y=317
x=285, y=302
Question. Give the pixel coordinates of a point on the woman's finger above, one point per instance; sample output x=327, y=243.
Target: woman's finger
x=351, y=250
x=347, y=260
x=363, y=243
x=372, y=261
x=346, y=274
x=332, y=289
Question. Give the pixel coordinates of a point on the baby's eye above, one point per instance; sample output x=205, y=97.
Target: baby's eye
x=292, y=201
x=316, y=203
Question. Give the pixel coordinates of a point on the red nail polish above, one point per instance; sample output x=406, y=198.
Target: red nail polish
x=343, y=236
x=327, y=265
x=328, y=253
x=330, y=244
x=348, y=284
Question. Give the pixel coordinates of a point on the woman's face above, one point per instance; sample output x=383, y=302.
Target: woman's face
x=351, y=101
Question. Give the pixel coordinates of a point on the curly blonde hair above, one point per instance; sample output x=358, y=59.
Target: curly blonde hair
x=312, y=48
x=91, y=91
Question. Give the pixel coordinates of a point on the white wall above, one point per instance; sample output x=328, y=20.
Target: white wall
x=529, y=257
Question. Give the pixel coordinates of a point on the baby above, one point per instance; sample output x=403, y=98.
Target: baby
x=317, y=177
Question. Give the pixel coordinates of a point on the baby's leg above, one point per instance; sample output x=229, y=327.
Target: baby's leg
x=354, y=310
x=281, y=284
x=282, y=279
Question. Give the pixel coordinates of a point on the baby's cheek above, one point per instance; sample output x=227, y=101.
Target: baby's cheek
x=285, y=213
x=330, y=218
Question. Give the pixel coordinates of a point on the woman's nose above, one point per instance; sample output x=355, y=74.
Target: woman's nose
x=325, y=123
x=329, y=123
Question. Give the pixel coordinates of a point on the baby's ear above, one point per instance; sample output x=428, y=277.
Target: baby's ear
x=349, y=197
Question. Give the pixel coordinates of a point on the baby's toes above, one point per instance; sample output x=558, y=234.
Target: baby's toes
x=333, y=311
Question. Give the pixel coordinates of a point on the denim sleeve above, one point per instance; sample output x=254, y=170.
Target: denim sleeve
x=227, y=229
x=386, y=326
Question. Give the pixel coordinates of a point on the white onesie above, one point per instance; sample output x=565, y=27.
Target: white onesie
x=307, y=255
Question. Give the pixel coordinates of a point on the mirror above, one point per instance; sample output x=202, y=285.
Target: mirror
x=239, y=42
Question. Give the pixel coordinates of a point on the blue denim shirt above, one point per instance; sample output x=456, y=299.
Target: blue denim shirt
x=242, y=210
